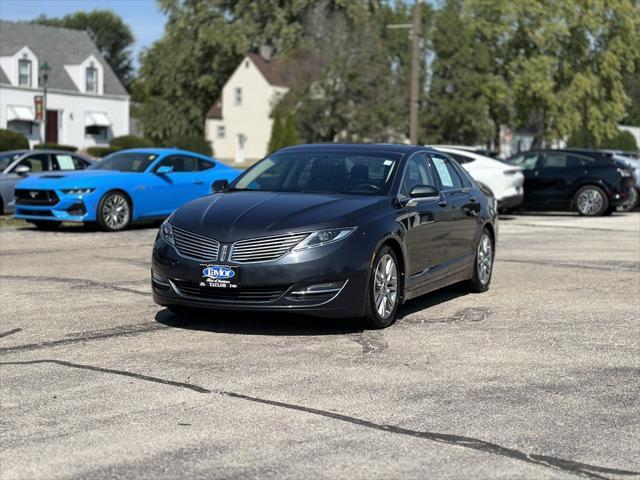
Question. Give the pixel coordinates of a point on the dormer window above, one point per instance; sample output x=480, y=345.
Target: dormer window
x=91, y=79
x=24, y=73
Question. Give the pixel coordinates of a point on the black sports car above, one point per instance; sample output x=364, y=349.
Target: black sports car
x=332, y=230
x=589, y=182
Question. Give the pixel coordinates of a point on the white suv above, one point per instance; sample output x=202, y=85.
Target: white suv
x=505, y=181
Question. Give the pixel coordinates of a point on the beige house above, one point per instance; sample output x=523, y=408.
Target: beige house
x=238, y=124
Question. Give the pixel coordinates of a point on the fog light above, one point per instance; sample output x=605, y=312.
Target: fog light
x=159, y=279
x=320, y=288
x=77, y=208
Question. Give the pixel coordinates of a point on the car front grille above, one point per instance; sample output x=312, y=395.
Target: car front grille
x=35, y=197
x=246, y=294
x=34, y=213
x=265, y=249
x=195, y=246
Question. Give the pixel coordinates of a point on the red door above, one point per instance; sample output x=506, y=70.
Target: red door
x=51, y=135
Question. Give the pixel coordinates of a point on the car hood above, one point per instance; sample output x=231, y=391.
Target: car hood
x=233, y=216
x=70, y=179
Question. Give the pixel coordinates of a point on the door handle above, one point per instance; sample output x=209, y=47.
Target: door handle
x=473, y=200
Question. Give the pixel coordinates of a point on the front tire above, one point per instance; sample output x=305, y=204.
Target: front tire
x=114, y=212
x=383, y=292
x=591, y=201
x=483, y=264
x=45, y=225
x=630, y=203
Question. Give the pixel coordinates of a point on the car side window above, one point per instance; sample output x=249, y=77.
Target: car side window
x=417, y=172
x=38, y=162
x=527, y=161
x=204, y=164
x=62, y=161
x=180, y=163
x=449, y=178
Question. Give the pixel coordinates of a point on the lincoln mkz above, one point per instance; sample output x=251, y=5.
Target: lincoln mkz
x=329, y=230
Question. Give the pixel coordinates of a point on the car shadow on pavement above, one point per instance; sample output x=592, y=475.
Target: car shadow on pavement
x=258, y=323
x=432, y=299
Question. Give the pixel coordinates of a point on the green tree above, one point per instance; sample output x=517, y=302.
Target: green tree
x=111, y=35
x=290, y=133
x=277, y=132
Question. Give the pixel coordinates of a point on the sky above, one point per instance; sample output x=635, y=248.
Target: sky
x=142, y=16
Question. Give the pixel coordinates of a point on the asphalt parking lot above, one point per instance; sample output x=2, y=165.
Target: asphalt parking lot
x=538, y=378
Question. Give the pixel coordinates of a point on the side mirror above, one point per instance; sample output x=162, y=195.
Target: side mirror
x=164, y=169
x=219, y=186
x=423, y=191
x=21, y=170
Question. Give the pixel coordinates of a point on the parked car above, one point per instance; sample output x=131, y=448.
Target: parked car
x=634, y=198
x=504, y=180
x=592, y=185
x=15, y=165
x=331, y=230
x=126, y=186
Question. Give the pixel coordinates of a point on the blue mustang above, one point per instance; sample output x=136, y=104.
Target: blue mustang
x=126, y=186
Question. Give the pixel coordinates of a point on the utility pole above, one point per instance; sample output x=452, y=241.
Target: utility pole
x=45, y=69
x=414, y=102
x=415, y=73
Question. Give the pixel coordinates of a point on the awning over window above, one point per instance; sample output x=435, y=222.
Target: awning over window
x=97, y=119
x=15, y=112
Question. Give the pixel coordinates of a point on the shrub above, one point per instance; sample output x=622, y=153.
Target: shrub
x=12, y=141
x=55, y=146
x=130, y=141
x=99, y=152
x=622, y=141
x=194, y=144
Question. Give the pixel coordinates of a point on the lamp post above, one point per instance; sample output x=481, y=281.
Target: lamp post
x=414, y=101
x=45, y=69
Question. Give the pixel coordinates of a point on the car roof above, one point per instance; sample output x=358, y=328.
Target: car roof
x=13, y=152
x=163, y=151
x=371, y=147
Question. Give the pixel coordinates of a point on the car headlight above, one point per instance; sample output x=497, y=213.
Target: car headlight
x=624, y=172
x=166, y=232
x=324, y=237
x=77, y=191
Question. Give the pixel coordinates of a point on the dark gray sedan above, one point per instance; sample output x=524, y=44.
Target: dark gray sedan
x=15, y=165
x=331, y=230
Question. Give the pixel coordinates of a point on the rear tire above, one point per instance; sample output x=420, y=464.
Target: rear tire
x=483, y=263
x=44, y=225
x=114, y=212
x=384, y=290
x=591, y=201
x=631, y=203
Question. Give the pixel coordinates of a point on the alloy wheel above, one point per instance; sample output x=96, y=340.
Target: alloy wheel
x=115, y=211
x=385, y=287
x=484, y=259
x=590, y=201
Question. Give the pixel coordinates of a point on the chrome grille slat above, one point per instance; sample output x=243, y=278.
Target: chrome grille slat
x=195, y=246
x=265, y=248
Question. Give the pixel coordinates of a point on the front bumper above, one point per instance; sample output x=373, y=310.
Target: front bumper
x=68, y=208
x=269, y=286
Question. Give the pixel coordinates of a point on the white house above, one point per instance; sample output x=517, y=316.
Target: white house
x=86, y=104
x=238, y=124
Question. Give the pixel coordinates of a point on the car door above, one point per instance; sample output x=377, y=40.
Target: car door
x=176, y=187
x=557, y=174
x=533, y=189
x=427, y=224
x=463, y=208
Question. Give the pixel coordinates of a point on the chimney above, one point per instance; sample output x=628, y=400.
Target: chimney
x=266, y=51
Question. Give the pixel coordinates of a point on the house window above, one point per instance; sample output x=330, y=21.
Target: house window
x=20, y=126
x=238, y=96
x=99, y=134
x=24, y=73
x=92, y=80
x=221, y=131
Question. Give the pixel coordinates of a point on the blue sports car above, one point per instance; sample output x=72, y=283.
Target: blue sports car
x=126, y=186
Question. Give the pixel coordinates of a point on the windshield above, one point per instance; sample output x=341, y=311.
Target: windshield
x=7, y=158
x=357, y=173
x=125, y=162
